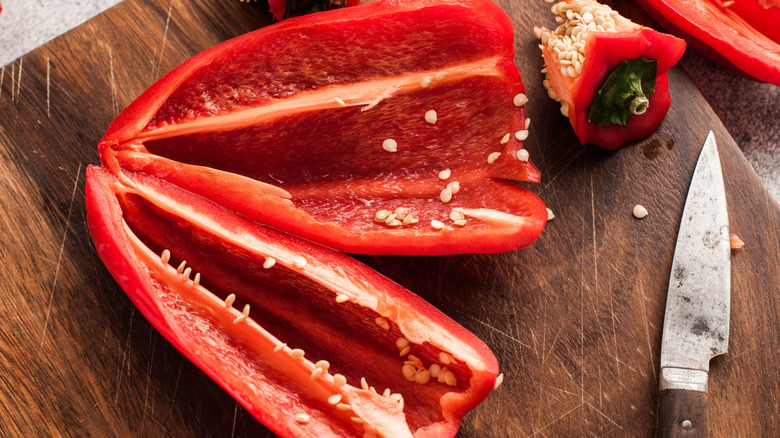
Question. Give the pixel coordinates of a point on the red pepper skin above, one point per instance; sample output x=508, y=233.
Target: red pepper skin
x=604, y=52
x=306, y=205
x=272, y=385
x=744, y=37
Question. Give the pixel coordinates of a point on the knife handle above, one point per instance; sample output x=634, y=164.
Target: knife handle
x=682, y=413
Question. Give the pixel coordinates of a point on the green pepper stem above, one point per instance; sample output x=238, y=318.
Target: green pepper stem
x=639, y=105
x=625, y=93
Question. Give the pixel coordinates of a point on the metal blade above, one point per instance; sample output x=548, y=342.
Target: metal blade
x=696, y=323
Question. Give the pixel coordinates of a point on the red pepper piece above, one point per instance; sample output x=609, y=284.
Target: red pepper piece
x=299, y=112
x=601, y=53
x=742, y=35
x=312, y=298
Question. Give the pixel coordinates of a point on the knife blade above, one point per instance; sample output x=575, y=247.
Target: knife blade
x=696, y=322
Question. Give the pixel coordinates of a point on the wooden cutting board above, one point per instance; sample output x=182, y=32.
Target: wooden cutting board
x=575, y=319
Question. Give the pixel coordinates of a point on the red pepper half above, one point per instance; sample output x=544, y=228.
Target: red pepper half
x=245, y=303
x=319, y=125
x=742, y=35
x=588, y=48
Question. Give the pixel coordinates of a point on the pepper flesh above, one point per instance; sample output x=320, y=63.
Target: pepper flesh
x=604, y=51
x=311, y=120
x=744, y=37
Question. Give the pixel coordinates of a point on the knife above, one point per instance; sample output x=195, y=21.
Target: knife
x=696, y=322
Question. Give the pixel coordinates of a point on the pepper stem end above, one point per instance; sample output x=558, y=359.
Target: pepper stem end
x=639, y=105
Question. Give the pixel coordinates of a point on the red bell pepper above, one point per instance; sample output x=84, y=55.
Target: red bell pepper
x=608, y=72
x=742, y=35
x=295, y=117
x=217, y=181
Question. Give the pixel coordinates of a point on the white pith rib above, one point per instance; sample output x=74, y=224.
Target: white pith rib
x=364, y=94
x=407, y=320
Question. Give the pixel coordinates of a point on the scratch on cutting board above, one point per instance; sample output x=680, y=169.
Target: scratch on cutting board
x=562, y=416
x=235, y=414
x=125, y=353
x=502, y=333
x=614, y=336
x=148, y=381
x=13, y=81
x=737, y=356
x=175, y=389
x=605, y=416
x=555, y=340
x=647, y=329
x=563, y=169
x=561, y=390
x=2, y=77
x=533, y=338
x=59, y=258
x=601, y=391
x=164, y=40
x=114, y=105
x=48, y=88
x=19, y=79
x=544, y=328
x=514, y=345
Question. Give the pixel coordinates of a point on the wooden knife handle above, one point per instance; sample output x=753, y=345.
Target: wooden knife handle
x=682, y=413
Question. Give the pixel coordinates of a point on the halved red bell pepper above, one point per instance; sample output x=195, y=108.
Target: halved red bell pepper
x=742, y=35
x=195, y=269
x=586, y=51
x=218, y=180
x=333, y=120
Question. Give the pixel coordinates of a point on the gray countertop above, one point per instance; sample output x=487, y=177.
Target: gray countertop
x=749, y=110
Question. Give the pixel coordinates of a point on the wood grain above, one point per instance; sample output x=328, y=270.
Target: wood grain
x=575, y=319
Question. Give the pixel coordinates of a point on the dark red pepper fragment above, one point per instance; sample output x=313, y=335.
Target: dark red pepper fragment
x=742, y=35
x=282, y=9
x=602, y=51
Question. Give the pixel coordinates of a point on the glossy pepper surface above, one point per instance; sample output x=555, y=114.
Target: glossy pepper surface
x=742, y=35
x=221, y=183
x=586, y=50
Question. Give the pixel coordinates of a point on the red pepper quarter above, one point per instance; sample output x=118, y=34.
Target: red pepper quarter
x=742, y=35
x=225, y=186
x=296, y=293
x=597, y=52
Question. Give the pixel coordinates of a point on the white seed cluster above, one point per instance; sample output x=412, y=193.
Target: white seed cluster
x=401, y=217
x=576, y=21
x=414, y=371
x=413, y=368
